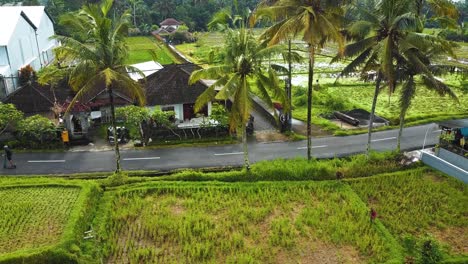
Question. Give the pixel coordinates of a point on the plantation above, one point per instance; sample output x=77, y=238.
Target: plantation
x=347, y=93
x=232, y=223
x=43, y=212
x=141, y=48
x=283, y=211
x=39, y=221
x=416, y=204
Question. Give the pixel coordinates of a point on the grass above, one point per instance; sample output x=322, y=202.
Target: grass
x=246, y=223
x=282, y=211
x=42, y=220
x=140, y=49
x=415, y=204
x=43, y=212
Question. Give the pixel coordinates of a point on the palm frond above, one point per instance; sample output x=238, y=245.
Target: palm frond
x=213, y=72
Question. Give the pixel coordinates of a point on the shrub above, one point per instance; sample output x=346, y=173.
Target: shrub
x=26, y=75
x=37, y=129
x=116, y=179
x=430, y=252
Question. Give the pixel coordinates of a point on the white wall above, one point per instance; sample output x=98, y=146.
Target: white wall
x=22, y=48
x=44, y=32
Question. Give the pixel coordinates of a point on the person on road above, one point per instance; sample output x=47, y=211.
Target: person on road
x=8, y=156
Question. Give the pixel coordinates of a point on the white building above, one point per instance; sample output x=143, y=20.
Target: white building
x=25, y=33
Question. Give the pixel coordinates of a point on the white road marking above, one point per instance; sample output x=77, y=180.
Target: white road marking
x=383, y=139
x=145, y=158
x=436, y=131
x=323, y=146
x=45, y=161
x=232, y=153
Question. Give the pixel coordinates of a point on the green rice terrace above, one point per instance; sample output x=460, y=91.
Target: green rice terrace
x=142, y=49
x=280, y=212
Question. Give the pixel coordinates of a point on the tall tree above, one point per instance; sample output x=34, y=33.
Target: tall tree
x=379, y=36
x=289, y=54
x=98, y=57
x=242, y=66
x=417, y=69
x=317, y=21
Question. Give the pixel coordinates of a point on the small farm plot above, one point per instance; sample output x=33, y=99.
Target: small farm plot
x=34, y=216
x=241, y=223
x=141, y=49
x=426, y=104
x=419, y=204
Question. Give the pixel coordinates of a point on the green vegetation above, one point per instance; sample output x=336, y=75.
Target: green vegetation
x=43, y=221
x=141, y=49
x=426, y=104
x=275, y=213
x=417, y=203
x=231, y=223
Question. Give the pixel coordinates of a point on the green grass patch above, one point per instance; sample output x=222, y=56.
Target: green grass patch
x=418, y=204
x=140, y=49
x=247, y=223
x=43, y=221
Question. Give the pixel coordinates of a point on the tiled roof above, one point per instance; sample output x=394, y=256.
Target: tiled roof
x=170, y=85
x=170, y=22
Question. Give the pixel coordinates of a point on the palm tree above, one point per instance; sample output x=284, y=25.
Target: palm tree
x=97, y=55
x=242, y=66
x=380, y=35
x=316, y=21
x=289, y=55
x=416, y=62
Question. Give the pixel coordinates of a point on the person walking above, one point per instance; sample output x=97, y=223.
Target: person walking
x=8, y=156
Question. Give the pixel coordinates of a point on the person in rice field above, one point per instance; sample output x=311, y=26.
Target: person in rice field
x=373, y=215
x=8, y=158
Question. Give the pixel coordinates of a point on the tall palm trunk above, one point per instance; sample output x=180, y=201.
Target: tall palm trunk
x=245, y=148
x=114, y=128
x=372, y=114
x=309, y=100
x=400, y=132
x=289, y=88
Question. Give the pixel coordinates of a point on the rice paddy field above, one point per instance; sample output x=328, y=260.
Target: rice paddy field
x=419, y=204
x=34, y=216
x=140, y=49
x=296, y=222
x=196, y=220
x=40, y=221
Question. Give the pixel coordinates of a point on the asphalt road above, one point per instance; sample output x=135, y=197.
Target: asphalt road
x=226, y=155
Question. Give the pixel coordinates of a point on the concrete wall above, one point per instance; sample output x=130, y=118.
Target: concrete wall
x=22, y=48
x=453, y=158
x=444, y=166
x=264, y=110
x=44, y=32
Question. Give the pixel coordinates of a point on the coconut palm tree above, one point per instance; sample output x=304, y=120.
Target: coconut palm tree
x=289, y=55
x=97, y=54
x=242, y=66
x=380, y=35
x=417, y=62
x=317, y=21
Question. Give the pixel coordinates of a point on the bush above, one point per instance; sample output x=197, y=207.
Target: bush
x=179, y=37
x=301, y=169
x=430, y=252
x=36, y=131
x=116, y=179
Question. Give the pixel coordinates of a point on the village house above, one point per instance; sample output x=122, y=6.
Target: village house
x=170, y=25
x=169, y=90
x=25, y=33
